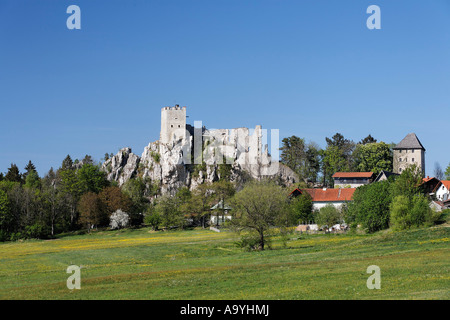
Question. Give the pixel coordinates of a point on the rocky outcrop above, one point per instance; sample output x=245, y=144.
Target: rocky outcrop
x=121, y=167
x=172, y=165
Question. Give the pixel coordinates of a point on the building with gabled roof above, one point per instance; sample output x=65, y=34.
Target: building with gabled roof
x=352, y=179
x=429, y=185
x=321, y=197
x=384, y=175
x=442, y=190
x=408, y=152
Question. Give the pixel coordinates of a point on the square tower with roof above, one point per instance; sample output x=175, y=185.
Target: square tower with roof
x=408, y=152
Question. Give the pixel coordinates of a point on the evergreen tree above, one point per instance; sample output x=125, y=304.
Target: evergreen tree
x=368, y=139
x=13, y=174
x=447, y=172
x=30, y=167
x=67, y=163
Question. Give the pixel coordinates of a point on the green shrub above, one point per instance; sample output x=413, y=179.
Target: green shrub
x=407, y=213
x=370, y=207
x=328, y=216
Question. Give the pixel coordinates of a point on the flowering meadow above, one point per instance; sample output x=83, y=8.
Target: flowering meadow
x=202, y=264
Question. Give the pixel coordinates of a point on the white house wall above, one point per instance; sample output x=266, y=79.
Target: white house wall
x=442, y=193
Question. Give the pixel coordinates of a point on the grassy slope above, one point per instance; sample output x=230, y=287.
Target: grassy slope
x=200, y=264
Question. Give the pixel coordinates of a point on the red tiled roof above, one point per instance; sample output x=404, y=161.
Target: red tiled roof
x=446, y=183
x=353, y=175
x=331, y=195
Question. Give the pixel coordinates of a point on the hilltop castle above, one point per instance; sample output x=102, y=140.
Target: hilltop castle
x=240, y=145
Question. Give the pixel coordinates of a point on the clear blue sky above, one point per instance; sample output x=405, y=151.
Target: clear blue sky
x=307, y=68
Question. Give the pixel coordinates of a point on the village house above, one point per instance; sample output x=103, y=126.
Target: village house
x=352, y=179
x=322, y=197
x=384, y=175
x=220, y=213
x=442, y=191
x=429, y=185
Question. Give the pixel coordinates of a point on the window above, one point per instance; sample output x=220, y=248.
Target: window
x=412, y=159
x=400, y=170
x=400, y=151
x=412, y=150
x=179, y=126
x=399, y=159
x=171, y=125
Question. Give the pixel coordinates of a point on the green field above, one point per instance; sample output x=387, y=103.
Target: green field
x=204, y=265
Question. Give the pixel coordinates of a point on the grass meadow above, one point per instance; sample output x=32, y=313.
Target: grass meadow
x=204, y=265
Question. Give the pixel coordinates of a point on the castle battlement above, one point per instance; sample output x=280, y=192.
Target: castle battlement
x=176, y=107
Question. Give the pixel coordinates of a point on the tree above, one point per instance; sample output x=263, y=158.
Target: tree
x=412, y=212
x=373, y=157
x=6, y=219
x=302, y=158
x=336, y=157
x=408, y=183
x=333, y=161
x=327, y=216
x=167, y=208
x=13, y=174
x=201, y=202
x=54, y=203
x=302, y=208
x=70, y=189
x=259, y=206
x=153, y=219
x=438, y=172
x=368, y=139
x=136, y=189
x=447, y=172
x=370, y=206
x=293, y=153
x=399, y=213
x=91, y=213
x=32, y=180
x=119, y=219
x=30, y=167
x=113, y=199
x=91, y=178
x=312, y=169
x=67, y=163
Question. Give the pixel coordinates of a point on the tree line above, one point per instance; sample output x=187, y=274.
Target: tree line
x=316, y=165
x=76, y=196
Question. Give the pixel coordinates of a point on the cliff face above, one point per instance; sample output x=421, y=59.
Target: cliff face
x=176, y=164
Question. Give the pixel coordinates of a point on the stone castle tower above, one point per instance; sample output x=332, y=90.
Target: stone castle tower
x=173, y=124
x=408, y=152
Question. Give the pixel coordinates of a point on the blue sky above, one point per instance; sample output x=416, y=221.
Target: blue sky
x=307, y=68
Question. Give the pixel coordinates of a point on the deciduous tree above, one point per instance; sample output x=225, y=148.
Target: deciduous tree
x=258, y=207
